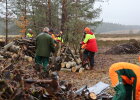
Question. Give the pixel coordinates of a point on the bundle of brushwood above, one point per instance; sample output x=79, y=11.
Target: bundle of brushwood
x=70, y=62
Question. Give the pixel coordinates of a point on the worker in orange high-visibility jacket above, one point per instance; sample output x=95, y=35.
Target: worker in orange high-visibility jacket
x=90, y=46
x=125, y=78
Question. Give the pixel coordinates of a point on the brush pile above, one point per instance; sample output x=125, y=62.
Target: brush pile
x=132, y=47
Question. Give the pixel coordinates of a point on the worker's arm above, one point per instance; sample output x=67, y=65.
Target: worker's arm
x=88, y=37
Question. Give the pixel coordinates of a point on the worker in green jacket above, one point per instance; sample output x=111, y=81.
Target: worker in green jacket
x=44, y=46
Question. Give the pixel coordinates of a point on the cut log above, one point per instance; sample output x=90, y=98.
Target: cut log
x=65, y=69
x=1, y=57
x=73, y=69
x=78, y=60
x=92, y=96
x=14, y=56
x=73, y=56
x=63, y=64
x=81, y=70
x=76, y=68
x=8, y=46
x=73, y=63
x=68, y=65
x=27, y=58
x=14, y=48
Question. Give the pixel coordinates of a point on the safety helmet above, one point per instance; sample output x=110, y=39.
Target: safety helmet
x=87, y=29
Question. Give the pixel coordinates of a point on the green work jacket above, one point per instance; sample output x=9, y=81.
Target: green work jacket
x=44, y=45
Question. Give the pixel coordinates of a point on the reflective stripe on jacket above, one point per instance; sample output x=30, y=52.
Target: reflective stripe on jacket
x=60, y=39
x=29, y=35
x=90, y=40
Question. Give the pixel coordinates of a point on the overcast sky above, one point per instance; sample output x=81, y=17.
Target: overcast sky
x=121, y=11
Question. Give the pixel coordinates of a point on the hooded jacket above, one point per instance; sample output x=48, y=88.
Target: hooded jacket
x=129, y=74
x=90, y=42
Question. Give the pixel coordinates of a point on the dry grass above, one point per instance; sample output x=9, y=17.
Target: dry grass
x=116, y=35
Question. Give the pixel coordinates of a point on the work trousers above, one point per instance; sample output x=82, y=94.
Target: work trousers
x=42, y=61
x=88, y=55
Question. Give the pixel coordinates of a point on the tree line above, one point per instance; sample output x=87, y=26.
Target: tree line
x=69, y=16
x=108, y=27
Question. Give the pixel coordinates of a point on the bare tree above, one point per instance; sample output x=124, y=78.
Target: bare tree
x=64, y=14
x=6, y=18
x=49, y=13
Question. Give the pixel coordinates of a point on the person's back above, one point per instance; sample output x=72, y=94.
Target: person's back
x=90, y=41
x=44, y=44
x=90, y=46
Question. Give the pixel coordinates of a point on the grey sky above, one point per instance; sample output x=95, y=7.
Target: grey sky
x=121, y=11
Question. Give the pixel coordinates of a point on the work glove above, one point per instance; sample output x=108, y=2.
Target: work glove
x=81, y=43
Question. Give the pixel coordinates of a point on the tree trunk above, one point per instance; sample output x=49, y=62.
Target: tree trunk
x=25, y=12
x=33, y=14
x=49, y=13
x=6, y=30
x=64, y=15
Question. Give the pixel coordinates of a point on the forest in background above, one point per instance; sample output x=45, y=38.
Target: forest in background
x=108, y=27
x=102, y=27
x=68, y=16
